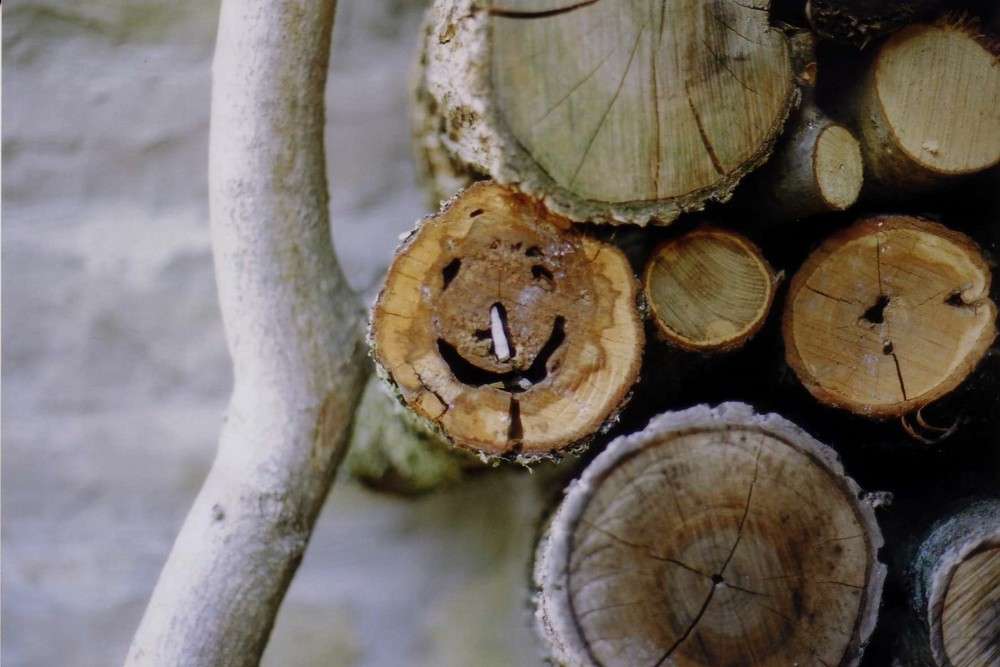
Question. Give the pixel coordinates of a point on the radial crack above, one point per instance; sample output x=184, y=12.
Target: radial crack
x=515, y=431
x=878, y=264
x=644, y=547
x=520, y=14
x=704, y=135
x=722, y=62
x=579, y=84
x=828, y=296
x=690, y=629
x=899, y=374
x=614, y=98
x=746, y=511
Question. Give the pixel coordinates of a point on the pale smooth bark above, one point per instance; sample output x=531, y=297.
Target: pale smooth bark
x=295, y=335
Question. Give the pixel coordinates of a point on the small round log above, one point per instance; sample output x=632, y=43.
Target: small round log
x=708, y=290
x=956, y=587
x=889, y=315
x=512, y=332
x=606, y=111
x=713, y=537
x=857, y=22
x=929, y=108
x=816, y=168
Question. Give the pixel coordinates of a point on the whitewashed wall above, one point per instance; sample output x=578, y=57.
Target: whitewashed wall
x=115, y=374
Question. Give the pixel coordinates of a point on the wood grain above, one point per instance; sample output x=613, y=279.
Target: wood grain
x=889, y=315
x=708, y=290
x=713, y=537
x=614, y=111
x=507, y=329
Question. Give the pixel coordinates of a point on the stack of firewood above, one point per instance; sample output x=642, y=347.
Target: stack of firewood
x=793, y=209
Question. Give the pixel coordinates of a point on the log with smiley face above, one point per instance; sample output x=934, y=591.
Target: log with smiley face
x=510, y=330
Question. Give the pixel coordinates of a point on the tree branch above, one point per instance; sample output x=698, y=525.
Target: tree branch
x=295, y=335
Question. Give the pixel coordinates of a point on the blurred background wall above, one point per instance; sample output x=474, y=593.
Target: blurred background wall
x=115, y=373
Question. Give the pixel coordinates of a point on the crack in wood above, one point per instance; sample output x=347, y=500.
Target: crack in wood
x=690, y=629
x=746, y=511
x=728, y=584
x=656, y=112
x=718, y=579
x=644, y=547
x=722, y=62
x=547, y=13
x=515, y=430
x=614, y=98
x=876, y=314
x=829, y=296
x=575, y=88
x=878, y=264
x=426, y=387
x=837, y=583
x=837, y=539
x=617, y=605
x=704, y=135
x=899, y=374
x=715, y=16
x=751, y=7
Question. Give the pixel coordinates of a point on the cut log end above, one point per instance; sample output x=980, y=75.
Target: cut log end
x=689, y=543
x=956, y=71
x=513, y=333
x=816, y=168
x=970, y=625
x=587, y=107
x=837, y=167
x=889, y=315
x=957, y=586
x=948, y=125
x=708, y=290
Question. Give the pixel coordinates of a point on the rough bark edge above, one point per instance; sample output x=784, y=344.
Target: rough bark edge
x=559, y=629
x=457, y=77
x=294, y=331
x=736, y=343
x=439, y=172
x=901, y=408
x=857, y=22
x=429, y=426
x=949, y=542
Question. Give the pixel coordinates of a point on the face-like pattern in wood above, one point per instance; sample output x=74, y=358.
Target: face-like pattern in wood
x=498, y=314
x=507, y=328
